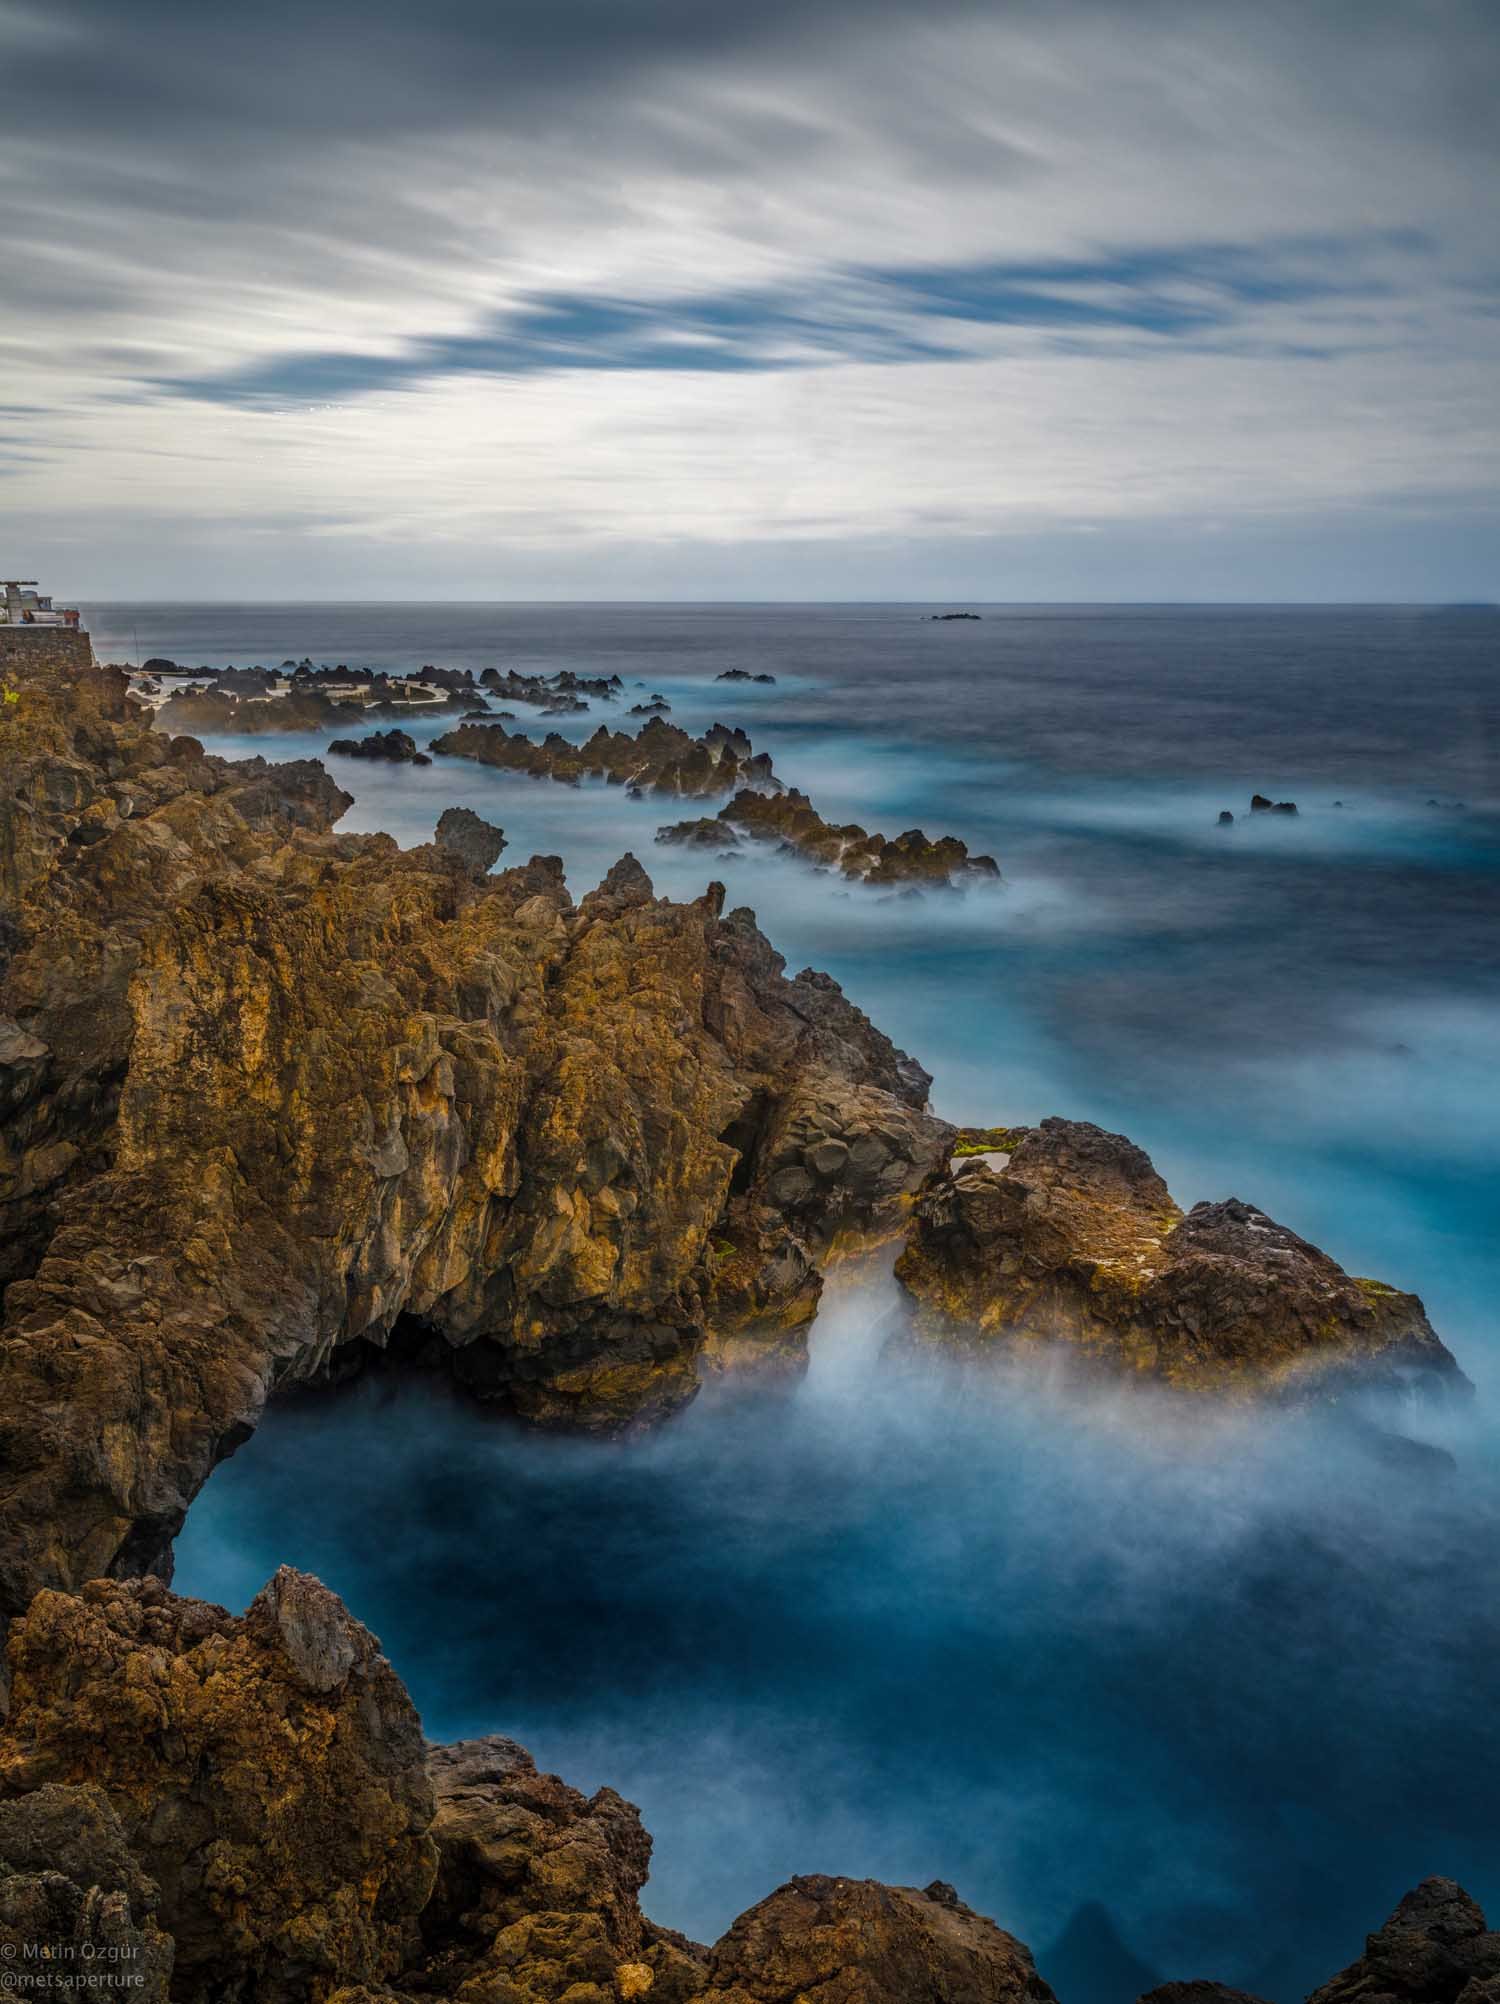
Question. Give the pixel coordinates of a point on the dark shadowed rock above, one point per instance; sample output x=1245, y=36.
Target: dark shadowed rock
x=1198, y=1990
x=476, y=842
x=1434, y=1949
x=394, y=745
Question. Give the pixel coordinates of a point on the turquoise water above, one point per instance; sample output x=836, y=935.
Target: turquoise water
x=1227, y=1691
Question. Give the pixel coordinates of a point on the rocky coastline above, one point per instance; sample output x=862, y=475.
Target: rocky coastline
x=274, y=1099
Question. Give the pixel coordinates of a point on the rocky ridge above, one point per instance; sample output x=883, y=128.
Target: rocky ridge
x=660, y=759
x=791, y=821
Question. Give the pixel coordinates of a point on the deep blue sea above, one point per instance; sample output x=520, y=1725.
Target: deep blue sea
x=1167, y=1696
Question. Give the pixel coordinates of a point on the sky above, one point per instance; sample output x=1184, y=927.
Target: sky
x=1179, y=299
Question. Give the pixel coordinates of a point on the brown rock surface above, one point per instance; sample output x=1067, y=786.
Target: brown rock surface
x=269, y=1089
x=258, y=1783
x=854, y=1941
x=1068, y=1235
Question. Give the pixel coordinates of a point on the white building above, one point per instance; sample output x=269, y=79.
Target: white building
x=24, y=605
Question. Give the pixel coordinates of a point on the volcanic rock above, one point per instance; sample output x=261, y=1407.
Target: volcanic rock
x=853, y=1941
x=476, y=842
x=270, y=1091
x=395, y=745
x=1070, y=1236
x=790, y=820
x=1434, y=1949
x=258, y=1784
x=661, y=759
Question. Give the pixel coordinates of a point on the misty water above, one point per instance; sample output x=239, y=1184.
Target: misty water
x=1167, y=1695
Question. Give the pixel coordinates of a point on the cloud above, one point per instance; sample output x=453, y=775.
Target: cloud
x=1187, y=292
x=524, y=254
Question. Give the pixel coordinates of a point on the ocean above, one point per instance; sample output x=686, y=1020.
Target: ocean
x=1167, y=1698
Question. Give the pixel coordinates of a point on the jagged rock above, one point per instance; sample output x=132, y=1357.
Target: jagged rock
x=1434, y=1949
x=396, y=745
x=1070, y=1236
x=790, y=820
x=742, y=675
x=74, y=1901
x=1260, y=805
x=476, y=842
x=537, y=1886
x=299, y=1087
x=854, y=1941
x=660, y=759
x=259, y=1783
x=1198, y=1990
x=560, y=693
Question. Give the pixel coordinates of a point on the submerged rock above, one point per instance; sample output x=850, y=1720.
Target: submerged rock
x=1071, y=1237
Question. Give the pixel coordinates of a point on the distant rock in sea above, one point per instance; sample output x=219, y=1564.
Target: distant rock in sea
x=382, y=744
x=942, y=616
x=742, y=675
x=1260, y=805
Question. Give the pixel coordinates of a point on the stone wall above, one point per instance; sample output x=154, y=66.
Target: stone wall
x=45, y=647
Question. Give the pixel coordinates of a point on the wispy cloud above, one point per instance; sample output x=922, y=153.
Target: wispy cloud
x=881, y=316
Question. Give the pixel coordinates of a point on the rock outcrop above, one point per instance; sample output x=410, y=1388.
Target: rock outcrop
x=854, y=1941
x=1065, y=1234
x=398, y=746
x=256, y=1788
x=661, y=759
x=791, y=821
x=270, y=1091
x=1434, y=1949
x=560, y=694
x=477, y=843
